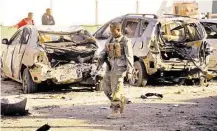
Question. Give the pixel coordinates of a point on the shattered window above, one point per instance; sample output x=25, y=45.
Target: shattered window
x=49, y=37
x=193, y=31
x=107, y=32
x=16, y=37
x=211, y=30
x=173, y=31
x=25, y=36
x=181, y=32
x=143, y=27
x=130, y=28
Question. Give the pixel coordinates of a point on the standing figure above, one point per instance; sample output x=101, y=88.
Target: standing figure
x=26, y=21
x=118, y=56
x=47, y=18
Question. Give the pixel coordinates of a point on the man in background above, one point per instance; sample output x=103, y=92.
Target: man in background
x=47, y=18
x=26, y=21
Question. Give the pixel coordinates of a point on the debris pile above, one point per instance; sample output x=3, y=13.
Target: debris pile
x=145, y=96
x=13, y=106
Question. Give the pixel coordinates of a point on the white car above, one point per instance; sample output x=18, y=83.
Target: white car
x=168, y=48
x=210, y=26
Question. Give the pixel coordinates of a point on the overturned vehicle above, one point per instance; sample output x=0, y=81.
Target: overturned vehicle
x=167, y=48
x=48, y=54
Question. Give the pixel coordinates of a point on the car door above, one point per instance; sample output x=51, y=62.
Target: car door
x=8, y=55
x=211, y=30
x=131, y=29
x=134, y=29
x=19, y=52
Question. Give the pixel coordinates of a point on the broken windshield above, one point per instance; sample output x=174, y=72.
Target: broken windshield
x=181, y=32
x=211, y=30
x=55, y=37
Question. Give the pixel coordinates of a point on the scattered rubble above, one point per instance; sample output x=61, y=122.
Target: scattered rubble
x=151, y=94
x=45, y=127
x=13, y=105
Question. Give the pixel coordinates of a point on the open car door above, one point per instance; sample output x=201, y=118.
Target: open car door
x=211, y=30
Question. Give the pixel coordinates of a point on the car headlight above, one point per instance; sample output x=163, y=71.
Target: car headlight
x=41, y=58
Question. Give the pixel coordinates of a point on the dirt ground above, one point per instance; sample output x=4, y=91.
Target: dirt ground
x=183, y=108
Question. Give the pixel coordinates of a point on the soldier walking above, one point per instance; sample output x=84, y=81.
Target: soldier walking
x=118, y=55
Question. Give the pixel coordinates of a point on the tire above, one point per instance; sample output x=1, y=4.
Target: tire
x=29, y=86
x=98, y=87
x=202, y=81
x=3, y=77
x=140, y=77
x=181, y=82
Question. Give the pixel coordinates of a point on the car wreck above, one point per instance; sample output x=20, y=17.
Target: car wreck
x=210, y=25
x=167, y=48
x=48, y=54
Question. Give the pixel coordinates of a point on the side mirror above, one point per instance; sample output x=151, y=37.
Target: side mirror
x=5, y=41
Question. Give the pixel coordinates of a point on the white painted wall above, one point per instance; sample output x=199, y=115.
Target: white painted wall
x=205, y=5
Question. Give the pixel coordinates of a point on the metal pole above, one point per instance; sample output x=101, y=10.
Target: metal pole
x=96, y=12
x=51, y=4
x=137, y=6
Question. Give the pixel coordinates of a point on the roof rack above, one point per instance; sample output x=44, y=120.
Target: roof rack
x=174, y=15
x=144, y=15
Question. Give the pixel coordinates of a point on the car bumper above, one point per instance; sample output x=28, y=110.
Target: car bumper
x=176, y=65
x=64, y=74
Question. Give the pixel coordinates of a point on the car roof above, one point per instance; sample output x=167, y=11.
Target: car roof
x=164, y=18
x=209, y=20
x=60, y=29
x=55, y=29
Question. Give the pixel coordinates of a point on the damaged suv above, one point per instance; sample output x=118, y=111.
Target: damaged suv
x=210, y=25
x=169, y=48
x=48, y=54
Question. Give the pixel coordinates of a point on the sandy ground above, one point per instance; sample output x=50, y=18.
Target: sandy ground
x=183, y=108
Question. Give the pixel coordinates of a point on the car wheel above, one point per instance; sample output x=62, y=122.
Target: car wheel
x=29, y=86
x=98, y=87
x=181, y=81
x=139, y=77
x=202, y=81
x=3, y=77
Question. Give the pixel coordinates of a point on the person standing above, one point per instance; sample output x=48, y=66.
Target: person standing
x=47, y=18
x=26, y=21
x=118, y=56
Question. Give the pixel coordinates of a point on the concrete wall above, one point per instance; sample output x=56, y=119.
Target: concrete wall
x=214, y=7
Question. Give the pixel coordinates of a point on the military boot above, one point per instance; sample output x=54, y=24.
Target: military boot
x=116, y=108
x=123, y=104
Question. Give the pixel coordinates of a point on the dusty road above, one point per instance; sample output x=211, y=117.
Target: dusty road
x=183, y=108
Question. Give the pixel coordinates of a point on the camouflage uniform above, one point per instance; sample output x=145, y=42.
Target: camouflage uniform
x=119, y=56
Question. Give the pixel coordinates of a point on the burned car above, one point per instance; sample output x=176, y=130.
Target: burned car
x=169, y=48
x=48, y=54
x=210, y=26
